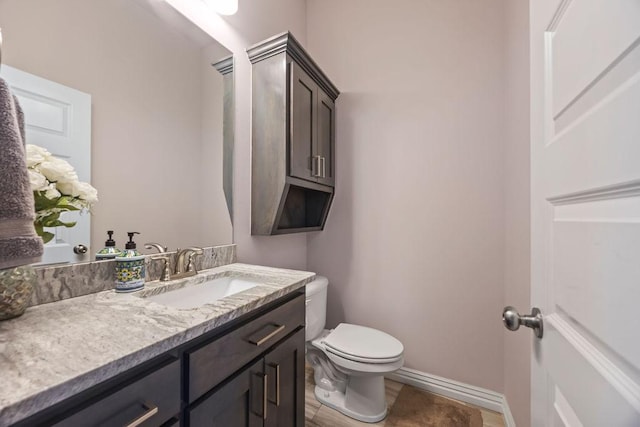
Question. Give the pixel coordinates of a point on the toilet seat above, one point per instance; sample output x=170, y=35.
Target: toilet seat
x=364, y=345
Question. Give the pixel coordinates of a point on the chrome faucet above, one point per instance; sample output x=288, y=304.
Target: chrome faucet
x=161, y=249
x=186, y=269
x=161, y=256
x=166, y=268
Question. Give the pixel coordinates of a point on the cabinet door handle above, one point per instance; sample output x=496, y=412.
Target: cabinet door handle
x=277, y=368
x=262, y=377
x=324, y=170
x=276, y=331
x=264, y=398
x=150, y=411
x=315, y=166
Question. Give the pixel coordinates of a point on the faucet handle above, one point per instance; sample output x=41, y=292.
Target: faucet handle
x=191, y=266
x=166, y=271
x=161, y=249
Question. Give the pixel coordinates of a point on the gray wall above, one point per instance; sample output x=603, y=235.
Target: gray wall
x=414, y=244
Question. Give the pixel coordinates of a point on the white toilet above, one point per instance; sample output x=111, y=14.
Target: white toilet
x=349, y=361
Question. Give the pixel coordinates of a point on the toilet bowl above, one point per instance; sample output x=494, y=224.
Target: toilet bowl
x=349, y=361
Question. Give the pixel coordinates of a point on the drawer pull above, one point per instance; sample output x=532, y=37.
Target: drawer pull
x=276, y=331
x=150, y=411
x=277, y=368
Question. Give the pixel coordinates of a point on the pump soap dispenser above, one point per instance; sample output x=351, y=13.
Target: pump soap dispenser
x=109, y=251
x=130, y=267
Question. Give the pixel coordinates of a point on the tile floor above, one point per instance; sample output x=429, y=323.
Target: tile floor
x=322, y=416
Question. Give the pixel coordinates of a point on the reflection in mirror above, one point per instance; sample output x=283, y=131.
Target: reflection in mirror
x=153, y=121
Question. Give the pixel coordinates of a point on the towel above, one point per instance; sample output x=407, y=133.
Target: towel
x=19, y=243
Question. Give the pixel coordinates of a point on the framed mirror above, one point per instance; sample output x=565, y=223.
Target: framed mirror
x=150, y=107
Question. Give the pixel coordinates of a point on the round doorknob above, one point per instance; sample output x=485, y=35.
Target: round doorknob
x=512, y=320
x=80, y=249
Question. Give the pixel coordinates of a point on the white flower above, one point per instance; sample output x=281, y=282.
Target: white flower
x=87, y=193
x=36, y=155
x=68, y=188
x=82, y=190
x=58, y=170
x=37, y=180
x=52, y=192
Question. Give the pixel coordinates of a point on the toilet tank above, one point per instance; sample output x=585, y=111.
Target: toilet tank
x=316, y=307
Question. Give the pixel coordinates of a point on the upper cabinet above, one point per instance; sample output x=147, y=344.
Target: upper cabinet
x=293, y=139
x=312, y=120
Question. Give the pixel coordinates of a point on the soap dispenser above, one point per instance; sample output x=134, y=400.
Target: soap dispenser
x=109, y=251
x=130, y=269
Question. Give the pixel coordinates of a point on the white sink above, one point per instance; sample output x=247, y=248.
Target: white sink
x=194, y=296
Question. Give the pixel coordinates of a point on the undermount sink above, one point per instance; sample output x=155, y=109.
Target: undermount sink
x=197, y=295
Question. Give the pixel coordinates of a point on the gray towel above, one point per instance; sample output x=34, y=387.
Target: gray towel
x=19, y=243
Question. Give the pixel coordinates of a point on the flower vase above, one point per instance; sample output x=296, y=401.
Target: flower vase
x=16, y=286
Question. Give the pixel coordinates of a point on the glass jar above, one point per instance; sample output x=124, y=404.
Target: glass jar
x=16, y=286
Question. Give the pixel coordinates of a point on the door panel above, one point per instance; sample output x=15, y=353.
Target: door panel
x=285, y=372
x=303, y=124
x=594, y=275
x=585, y=94
x=326, y=138
x=237, y=403
x=58, y=118
x=577, y=64
x=601, y=147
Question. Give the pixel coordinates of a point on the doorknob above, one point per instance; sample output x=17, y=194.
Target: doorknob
x=512, y=320
x=80, y=249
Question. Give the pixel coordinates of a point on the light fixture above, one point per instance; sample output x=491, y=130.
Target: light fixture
x=223, y=7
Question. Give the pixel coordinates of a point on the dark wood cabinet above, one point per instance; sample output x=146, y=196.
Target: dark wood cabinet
x=149, y=401
x=239, y=402
x=269, y=393
x=293, y=139
x=312, y=127
x=247, y=373
x=284, y=368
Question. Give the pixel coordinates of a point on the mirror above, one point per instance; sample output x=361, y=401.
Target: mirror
x=156, y=103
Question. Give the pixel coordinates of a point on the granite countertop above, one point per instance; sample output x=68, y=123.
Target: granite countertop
x=57, y=350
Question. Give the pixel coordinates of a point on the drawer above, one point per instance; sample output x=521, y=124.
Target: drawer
x=150, y=400
x=215, y=361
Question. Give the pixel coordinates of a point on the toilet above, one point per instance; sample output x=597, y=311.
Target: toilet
x=349, y=361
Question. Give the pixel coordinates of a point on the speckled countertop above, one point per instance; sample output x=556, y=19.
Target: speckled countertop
x=59, y=349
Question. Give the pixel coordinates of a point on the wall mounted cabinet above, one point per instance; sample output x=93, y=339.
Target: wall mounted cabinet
x=293, y=139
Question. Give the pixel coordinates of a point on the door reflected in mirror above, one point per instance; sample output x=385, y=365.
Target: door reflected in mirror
x=155, y=116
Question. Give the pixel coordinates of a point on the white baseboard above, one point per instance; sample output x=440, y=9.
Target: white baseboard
x=456, y=390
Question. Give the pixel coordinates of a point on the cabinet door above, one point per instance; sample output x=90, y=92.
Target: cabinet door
x=325, y=143
x=303, y=132
x=239, y=403
x=284, y=367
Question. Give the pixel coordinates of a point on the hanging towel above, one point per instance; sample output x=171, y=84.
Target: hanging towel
x=19, y=243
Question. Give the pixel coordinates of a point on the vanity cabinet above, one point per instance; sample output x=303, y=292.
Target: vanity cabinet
x=246, y=373
x=146, y=396
x=268, y=393
x=293, y=139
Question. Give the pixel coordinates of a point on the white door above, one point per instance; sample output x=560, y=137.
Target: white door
x=585, y=130
x=58, y=118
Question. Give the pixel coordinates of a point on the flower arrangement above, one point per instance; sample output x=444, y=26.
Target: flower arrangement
x=56, y=189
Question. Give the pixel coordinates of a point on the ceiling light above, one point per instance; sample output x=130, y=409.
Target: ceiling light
x=223, y=7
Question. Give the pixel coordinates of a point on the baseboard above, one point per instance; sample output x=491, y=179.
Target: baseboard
x=456, y=390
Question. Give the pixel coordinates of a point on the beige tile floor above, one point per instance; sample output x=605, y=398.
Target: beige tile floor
x=317, y=414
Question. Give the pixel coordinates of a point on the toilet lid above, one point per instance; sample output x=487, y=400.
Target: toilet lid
x=363, y=344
